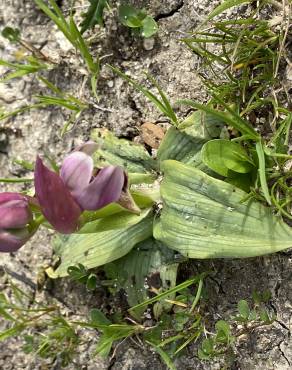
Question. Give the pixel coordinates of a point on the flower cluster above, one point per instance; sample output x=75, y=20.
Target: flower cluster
x=60, y=197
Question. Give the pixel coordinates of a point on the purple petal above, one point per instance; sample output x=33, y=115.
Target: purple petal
x=14, y=211
x=11, y=242
x=76, y=171
x=56, y=202
x=88, y=148
x=104, y=189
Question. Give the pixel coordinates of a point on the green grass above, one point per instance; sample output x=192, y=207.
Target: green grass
x=240, y=63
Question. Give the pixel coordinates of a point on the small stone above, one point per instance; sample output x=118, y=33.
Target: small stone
x=110, y=83
x=148, y=44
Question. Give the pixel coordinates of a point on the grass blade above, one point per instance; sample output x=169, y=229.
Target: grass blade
x=236, y=123
x=164, y=356
x=262, y=171
x=227, y=4
x=159, y=104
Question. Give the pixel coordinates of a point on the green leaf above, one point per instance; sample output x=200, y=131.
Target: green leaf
x=262, y=171
x=121, y=152
x=96, y=249
x=164, y=356
x=223, y=331
x=91, y=282
x=104, y=346
x=150, y=264
x=168, y=293
x=98, y=318
x=115, y=332
x=11, y=332
x=117, y=221
x=243, y=309
x=149, y=27
x=12, y=34
x=227, y=4
x=230, y=117
x=224, y=155
x=181, y=147
x=202, y=125
x=78, y=273
x=161, y=103
x=131, y=17
x=94, y=15
x=203, y=217
x=184, y=143
x=208, y=346
x=243, y=181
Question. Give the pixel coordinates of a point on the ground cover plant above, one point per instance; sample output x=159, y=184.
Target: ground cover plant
x=217, y=187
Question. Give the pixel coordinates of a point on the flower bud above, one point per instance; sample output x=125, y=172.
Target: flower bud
x=14, y=216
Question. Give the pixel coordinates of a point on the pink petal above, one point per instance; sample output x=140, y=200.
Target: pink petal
x=89, y=147
x=14, y=211
x=11, y=242
x=106, y=188
x=56, y=202
x=76, y=171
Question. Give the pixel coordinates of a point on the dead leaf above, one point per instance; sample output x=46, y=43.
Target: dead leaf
x=152, y=134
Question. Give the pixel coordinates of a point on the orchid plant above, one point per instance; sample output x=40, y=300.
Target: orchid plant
x=121, y=205
x=60, y=198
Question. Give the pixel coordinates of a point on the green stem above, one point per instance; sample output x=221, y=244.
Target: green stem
x=198, y=295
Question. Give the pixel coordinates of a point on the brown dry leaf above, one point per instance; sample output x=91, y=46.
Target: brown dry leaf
x=152, y=134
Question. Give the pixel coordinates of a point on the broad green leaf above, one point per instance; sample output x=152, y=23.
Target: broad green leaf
x=93, y=15
x=203, y=217
x=121, y=152
x=202, y=125
x=224, y=155
x=181, y=147
x=141, y=178
x=116, y=221
x=229, y=117
x=96, y=249
x=149, y=27
x=131, y=17
x=143, y=197
x=150, y=264
x=184, y=143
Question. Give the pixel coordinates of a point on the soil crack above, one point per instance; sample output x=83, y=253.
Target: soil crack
x=282, y=353
x=171, y=12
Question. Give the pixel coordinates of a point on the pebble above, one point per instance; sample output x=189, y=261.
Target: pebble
x=148, y=44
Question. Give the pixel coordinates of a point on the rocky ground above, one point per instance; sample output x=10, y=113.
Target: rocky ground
x=123, y=110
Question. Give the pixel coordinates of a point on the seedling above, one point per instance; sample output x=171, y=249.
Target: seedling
x=138, y=20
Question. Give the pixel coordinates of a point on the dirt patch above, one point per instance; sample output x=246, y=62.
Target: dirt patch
x=123, y=110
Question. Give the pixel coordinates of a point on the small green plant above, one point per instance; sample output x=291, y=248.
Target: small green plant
x=138, y=20
x=74, y=36
x=44, y=329
x=82, y=275
x=32, y=65
x=249, y=319
x=94, y=15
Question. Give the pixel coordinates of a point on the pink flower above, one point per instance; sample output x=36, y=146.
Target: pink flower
x=14, y=217
x=63, y=197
